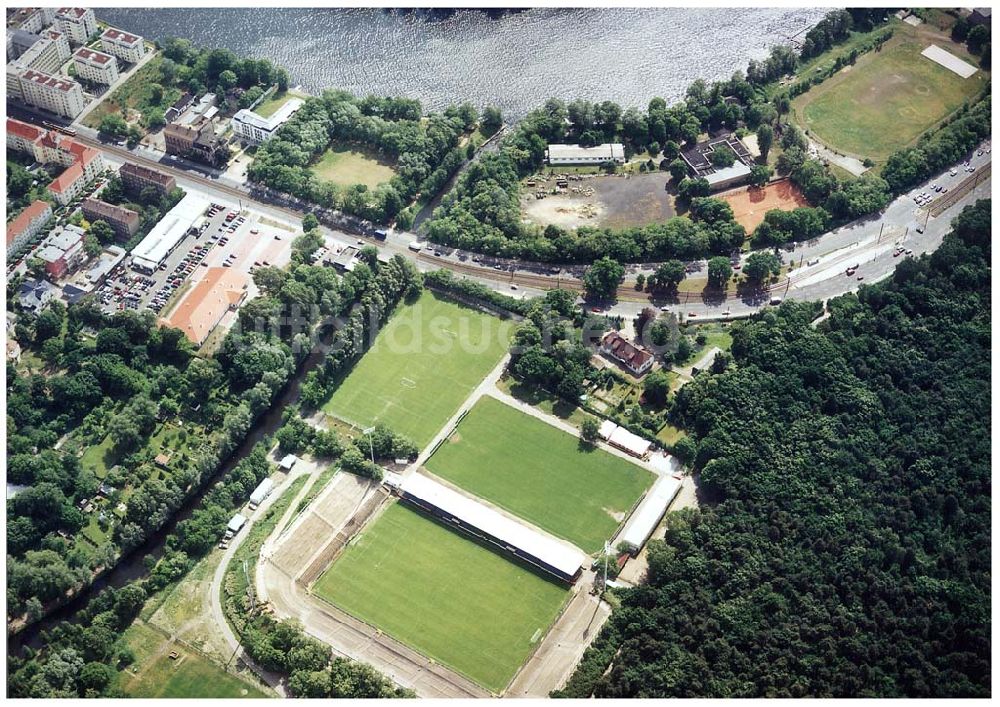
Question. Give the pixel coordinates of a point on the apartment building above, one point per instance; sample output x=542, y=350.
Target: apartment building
x=28, y=224
x=196, y=141
x=95, y=66
x=127, y=47
x=124, y=222
x=83, y=164
x=255, y=130
x=32, y=19
x=78, y=23
x=41, y=55
x=61, y=41
x=135, y=178
x=56, y=95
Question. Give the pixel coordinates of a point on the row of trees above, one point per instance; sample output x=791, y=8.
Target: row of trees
x=846, y=548
x=424, y=149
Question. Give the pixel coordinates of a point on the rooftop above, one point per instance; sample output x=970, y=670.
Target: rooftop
x=624, y=350
x=269, y=124
x=610, y=151
x=75, y=13
x=200, y=311
x=24, y=219
x=44, y=79
x=92, y=57
x=116, y=35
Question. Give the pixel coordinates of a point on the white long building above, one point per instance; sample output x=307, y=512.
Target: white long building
x=533, y=546
x=256, y=130
x=577, y=154
x=168, y=233
x=650, y=512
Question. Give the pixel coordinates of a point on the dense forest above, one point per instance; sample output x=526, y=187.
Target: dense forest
x=482, y=212
x=844, y=549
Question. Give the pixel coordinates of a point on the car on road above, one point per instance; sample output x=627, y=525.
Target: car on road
x=953, y=172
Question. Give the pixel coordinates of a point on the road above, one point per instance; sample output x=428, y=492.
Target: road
x=858, y=240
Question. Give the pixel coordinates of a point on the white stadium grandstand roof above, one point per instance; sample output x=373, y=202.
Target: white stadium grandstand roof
x=647, y=516
x=559, y=555
x=168, y=232
x=623, y=439
x=949, y=61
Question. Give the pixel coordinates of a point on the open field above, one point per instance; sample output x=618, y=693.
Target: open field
x=444, y=594
x=888, y=98
x=422, y=365
x=350, y=164
x=616, y=201
x=540, y=473
x=749, y=204
x=154, y=674
x=135, y=95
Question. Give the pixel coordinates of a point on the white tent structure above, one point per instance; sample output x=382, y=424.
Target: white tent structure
x=623, y=439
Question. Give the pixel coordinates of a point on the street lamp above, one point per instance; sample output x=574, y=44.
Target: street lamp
x=368, y=431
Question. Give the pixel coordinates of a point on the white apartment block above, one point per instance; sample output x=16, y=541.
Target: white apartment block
x=125, y=46
x=43, y=55
x=14, y=91
x=61, y=41
x=57, y=95
x=95, y=66
x=256, y=130
x=32, y=19
x=78, y=23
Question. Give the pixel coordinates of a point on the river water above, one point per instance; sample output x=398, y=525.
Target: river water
x=515, y=60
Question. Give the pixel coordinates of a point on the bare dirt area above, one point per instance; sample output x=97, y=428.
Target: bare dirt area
x=615, y=201
x=749, y=204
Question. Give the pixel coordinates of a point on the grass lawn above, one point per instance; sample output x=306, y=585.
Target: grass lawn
x=273, y=102
x=155, y=675
x=352, y=164
x=422, y=365
x=540, y=473
x=887, y=99
x=443, y=594
x=543, y=401
x=135, y=94
x=99, y=458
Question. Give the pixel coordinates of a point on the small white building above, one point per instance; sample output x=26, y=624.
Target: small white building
x=95, y=66
x=577, y=154
x=287, y=462
x=255, y=130
x=262, y=491
x=647, y=516
x=727, y=177
x=236, y=523
x=624, y=440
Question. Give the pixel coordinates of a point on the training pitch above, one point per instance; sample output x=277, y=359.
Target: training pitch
x=540, y=473
x=444, y=594
x=749, y=204
x=423, y=364
x=887, y=99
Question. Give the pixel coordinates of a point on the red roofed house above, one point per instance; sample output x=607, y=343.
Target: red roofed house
x=26, y=226
x=125, y=46
x=83, y=164
x=628, y=354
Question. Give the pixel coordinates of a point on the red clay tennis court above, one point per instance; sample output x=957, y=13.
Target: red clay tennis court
x=750, y=204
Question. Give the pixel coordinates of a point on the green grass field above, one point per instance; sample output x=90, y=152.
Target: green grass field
x=156, y=675
x=273, y=102
x=444, y=595
x=349, y=164
x=540, y=473
x=422, y=365
x=887, y=99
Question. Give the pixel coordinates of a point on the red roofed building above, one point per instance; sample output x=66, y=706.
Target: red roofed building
x=54, y=94
x=78, y=23
x=92, y=65
x=125, y=46
x=201, y=310
x=27, y=225
x=635, y=359
x=83, y=164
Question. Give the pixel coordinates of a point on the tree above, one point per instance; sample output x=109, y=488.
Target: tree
x=491, y=120
x=602, y=278
x=102, y=231
x=154, y=118
x=723, y=156
x=91, y=246
x=113, y=125
x=978, y=38
x=678, y=169
x=656, y=388
x=310, y=222
x=18, y=180
x=668, y=275
x=761, y=266
x=760, y=175
x=719, y=272
x=765, y=138
x=589, y=430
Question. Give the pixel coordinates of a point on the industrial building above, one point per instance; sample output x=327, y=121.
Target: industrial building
x=78, y=23
x=579, y=155
x=168, y=233
x=474, y=517
x=95, y=66
x=124, y=222
x=624, y=440
x=650, y=511
x=28, y=224
x=699, y=161
x=220, y=290
x=255, y=130
x=124, y=45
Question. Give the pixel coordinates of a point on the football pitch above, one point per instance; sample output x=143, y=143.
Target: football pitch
x=424, y=362
x=540, y=473
x=444, y=594
x=887, y=99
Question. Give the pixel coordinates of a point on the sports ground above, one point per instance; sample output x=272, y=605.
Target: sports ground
x=888, y=98
x=443, y=594
x=422, y=365
x=540, y=473
x=749, y=204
